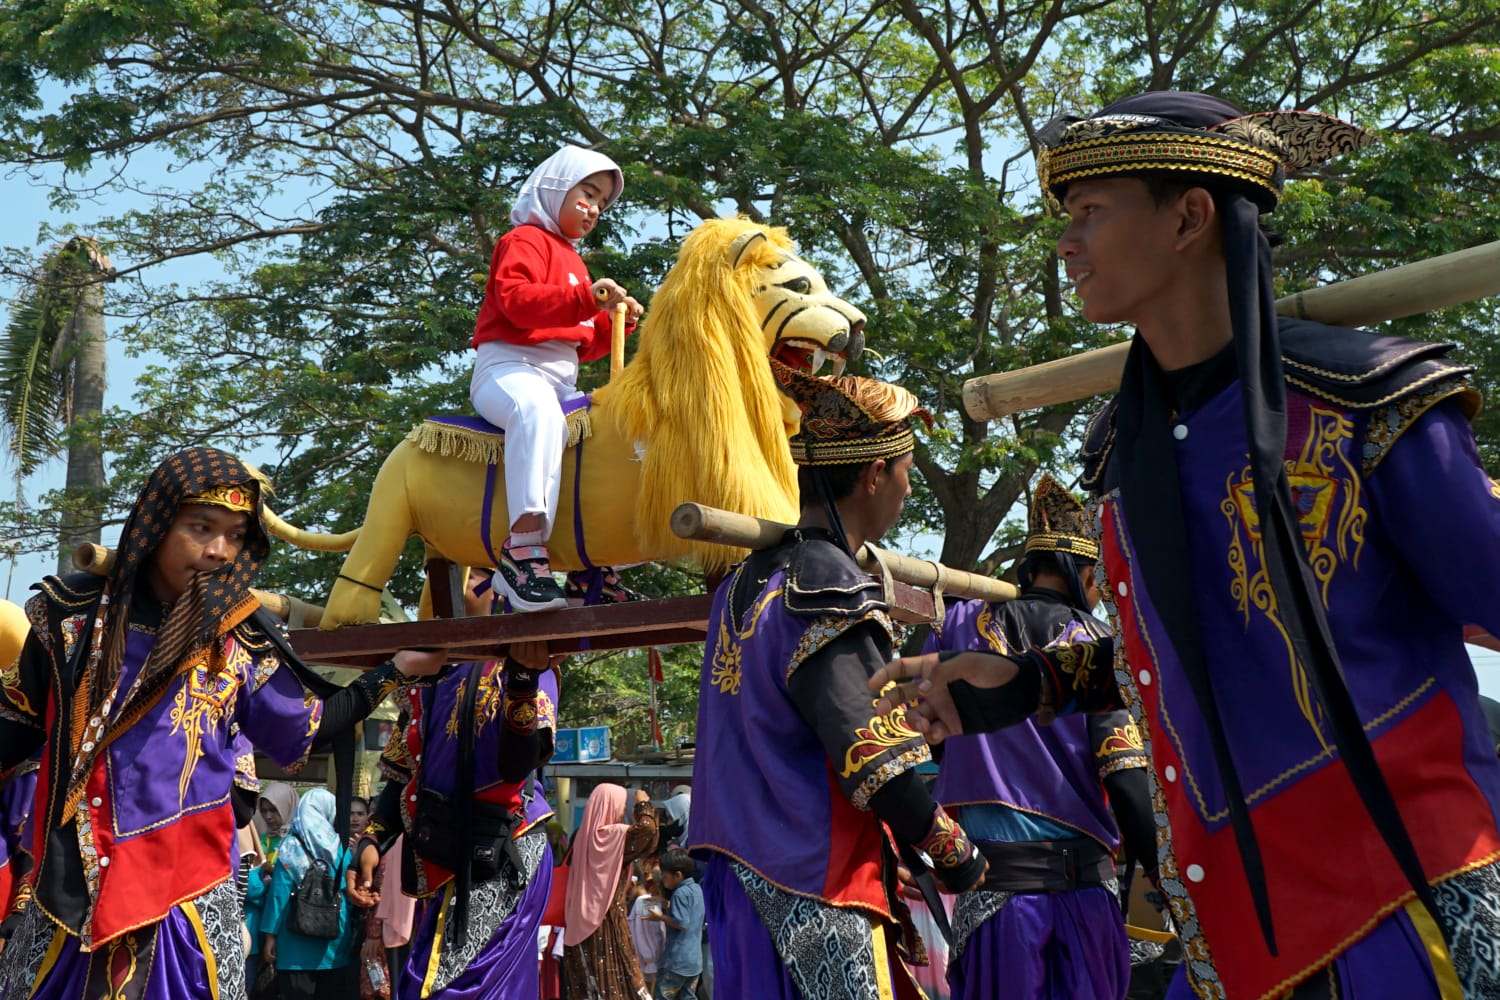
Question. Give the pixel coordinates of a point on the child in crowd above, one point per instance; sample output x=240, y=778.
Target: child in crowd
x=541, y=316
x=681, y=961
x=647, y=933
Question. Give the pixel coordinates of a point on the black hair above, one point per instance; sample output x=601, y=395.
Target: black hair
x=1048, y=562
x=678, y=860
x=839, y=480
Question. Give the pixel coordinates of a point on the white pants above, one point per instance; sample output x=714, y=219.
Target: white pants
x=526, y=402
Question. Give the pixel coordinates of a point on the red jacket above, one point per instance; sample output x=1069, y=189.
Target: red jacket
x=539, y=290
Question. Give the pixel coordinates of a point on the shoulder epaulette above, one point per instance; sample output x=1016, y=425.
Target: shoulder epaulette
x=73, y=592
x=1362, y=370
x=822, y=579
x=1394, y=379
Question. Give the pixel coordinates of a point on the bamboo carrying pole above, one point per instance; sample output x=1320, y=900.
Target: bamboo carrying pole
x=99, y=560
x=702, y=523
x=617, y=341
x=1414, y=288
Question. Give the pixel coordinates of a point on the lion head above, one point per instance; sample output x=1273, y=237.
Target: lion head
x=699, y=396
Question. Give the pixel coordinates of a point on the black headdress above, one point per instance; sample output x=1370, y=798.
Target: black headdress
x=847, y=420
x=1058, y=523
x=1243, y=159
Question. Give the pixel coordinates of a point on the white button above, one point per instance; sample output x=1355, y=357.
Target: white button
x=1195, y=873
x=1180, y=432
x=1144, y=677
x=104, y=862
x=419, y=757
x=96, y=802
x=88, y=745
x=412, y=799
x=411, y=690
x=1169, y=772
x=1121, y=589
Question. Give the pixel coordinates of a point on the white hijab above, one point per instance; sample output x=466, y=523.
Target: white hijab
x=541, y=199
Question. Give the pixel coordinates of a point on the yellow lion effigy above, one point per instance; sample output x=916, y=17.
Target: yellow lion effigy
x=695, y=415
x=13, y=630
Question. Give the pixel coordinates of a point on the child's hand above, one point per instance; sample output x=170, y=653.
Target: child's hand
x=633, y=309
x=608, y=294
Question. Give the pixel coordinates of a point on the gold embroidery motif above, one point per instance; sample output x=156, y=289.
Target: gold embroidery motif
x=10, y=681
x=1325, y=490
x=202, y=701
x=728, y=655
x=486, y=700
x=883, y=733
x=1122, y=740
x=728, y=659
x=989, y=630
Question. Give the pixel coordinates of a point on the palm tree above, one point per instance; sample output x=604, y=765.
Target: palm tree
x=52, y=364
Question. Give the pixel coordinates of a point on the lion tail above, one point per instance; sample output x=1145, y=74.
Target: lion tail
x=304, y=539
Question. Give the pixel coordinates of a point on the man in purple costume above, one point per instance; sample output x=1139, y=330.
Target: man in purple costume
x=795, y=778
x=1296, y=528
x=1045, y=923
x=16, y=796
x=132, y=687
x=461, y=784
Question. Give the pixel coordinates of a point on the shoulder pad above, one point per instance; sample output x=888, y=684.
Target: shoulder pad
x=1098, y=442
x=1362, y=370
x=72, y=592
x=822, y=579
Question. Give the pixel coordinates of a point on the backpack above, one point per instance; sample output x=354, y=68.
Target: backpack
x=315, y=904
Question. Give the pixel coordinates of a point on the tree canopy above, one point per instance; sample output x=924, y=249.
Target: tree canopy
x=355, y=163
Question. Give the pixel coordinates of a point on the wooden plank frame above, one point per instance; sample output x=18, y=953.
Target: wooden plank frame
x=670, y=621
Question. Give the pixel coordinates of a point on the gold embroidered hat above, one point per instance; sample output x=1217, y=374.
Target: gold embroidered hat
x=1058, y=522
x=1191, y=135
x=848, y=419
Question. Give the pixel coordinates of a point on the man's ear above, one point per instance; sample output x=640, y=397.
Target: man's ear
x=870, y=479
x=1197, y=217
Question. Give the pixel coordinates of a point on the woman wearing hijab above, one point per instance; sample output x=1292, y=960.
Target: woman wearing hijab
x=133, y=688
x=278, y=803
x=274, y=811
x=541, y=316
x=308, y=966
x=599, y=960
x=674, y=816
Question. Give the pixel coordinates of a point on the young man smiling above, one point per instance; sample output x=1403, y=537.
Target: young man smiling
x=1294, y=527
x=135, y=688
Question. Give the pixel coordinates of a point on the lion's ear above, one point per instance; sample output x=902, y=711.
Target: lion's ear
x=742, y=243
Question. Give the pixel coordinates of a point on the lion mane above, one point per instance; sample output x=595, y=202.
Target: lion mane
x=700, y=394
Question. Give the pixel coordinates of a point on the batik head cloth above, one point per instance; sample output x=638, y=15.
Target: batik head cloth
x=849, y=420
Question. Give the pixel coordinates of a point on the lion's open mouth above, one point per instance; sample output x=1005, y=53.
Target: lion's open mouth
x=807, y=357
